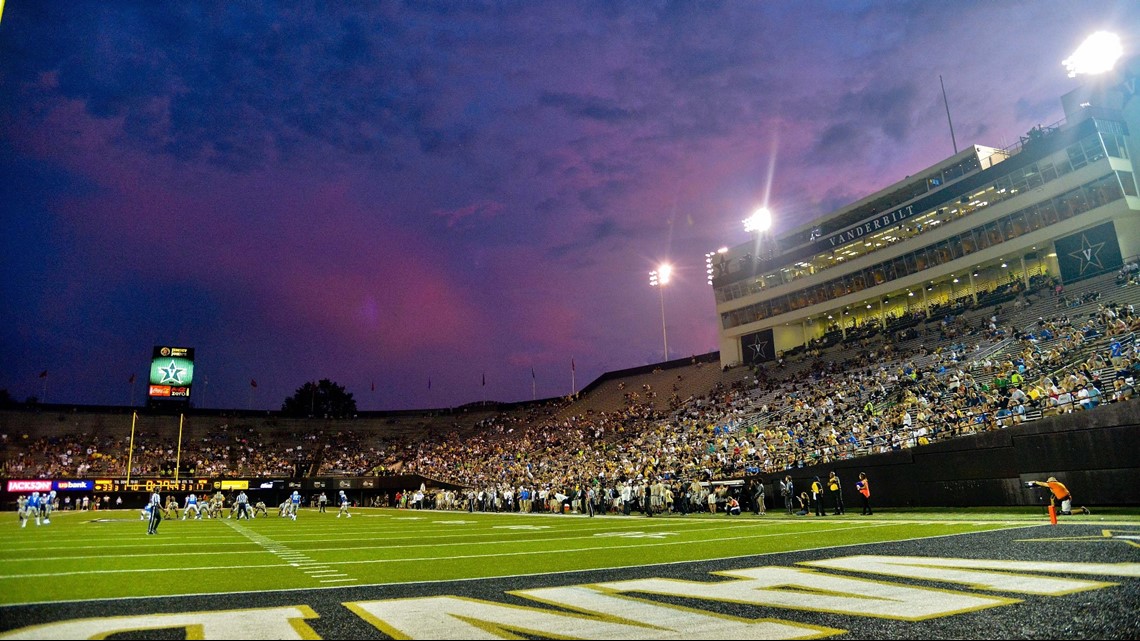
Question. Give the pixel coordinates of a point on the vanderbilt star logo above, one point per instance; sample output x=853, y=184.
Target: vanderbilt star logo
x=1088, y=255
x=172, y=374
x=758, y=349
x=1127, y=537
x=722, y=267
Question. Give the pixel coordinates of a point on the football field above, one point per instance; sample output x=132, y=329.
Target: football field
x=96, y=555
x=323, y=574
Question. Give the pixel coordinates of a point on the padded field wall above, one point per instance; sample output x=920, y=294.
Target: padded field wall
x=1095, y=454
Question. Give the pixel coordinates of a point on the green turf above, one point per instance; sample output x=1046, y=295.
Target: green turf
x=94, y=555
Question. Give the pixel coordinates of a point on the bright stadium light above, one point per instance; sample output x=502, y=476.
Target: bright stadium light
x=1097, y=54
x=659, y=278
x=709, y=269
x=760, y=221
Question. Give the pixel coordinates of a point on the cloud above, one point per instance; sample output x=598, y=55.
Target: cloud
x=840, y=137
x=588, y=107
x=471, y=215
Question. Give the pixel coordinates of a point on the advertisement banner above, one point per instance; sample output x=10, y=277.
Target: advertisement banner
x=151, y=485
x=29, y=486
x=79, y=485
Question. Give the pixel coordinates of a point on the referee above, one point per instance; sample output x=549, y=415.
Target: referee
x=155, y=513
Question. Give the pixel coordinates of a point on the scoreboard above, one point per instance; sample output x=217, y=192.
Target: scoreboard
x=171, y=373
x=151, y=485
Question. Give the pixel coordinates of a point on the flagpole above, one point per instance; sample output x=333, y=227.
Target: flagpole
x=178, y=457
x=131, y=452
x=951, y=122
x=573, y=382
x=533, y=393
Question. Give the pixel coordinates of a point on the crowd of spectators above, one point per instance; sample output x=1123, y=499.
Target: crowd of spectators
x=880, y=396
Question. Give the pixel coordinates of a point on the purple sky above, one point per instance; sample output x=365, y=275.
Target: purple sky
x=447, y=190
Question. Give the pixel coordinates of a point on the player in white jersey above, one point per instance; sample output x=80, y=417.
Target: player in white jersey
x=22, y=510
x=191, y=504
x=171, y=508
x=217, y=505
x=344, y=503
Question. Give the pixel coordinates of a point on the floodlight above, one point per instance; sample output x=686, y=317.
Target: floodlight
x=1097, y=54
x=760, y=221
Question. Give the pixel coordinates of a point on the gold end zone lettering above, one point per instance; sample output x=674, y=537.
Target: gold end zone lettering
x=669, y=619
x=798, y=589
x=985, y=574
x=451, y=617
x=260, y=623
x=624, y=609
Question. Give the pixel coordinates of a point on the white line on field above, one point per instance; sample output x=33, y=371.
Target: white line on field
x=421, y=559
x=277, y=547
x=506, y=576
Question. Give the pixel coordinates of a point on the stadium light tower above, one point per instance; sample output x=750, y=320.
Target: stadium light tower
x=759, y=222
x=760, y=225
x=1096, y=55
x=659, y=278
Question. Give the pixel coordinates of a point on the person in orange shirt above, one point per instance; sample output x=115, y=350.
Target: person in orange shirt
x=864, y=487
x=1059, y=493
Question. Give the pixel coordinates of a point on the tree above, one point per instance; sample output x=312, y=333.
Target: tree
x=324, y=398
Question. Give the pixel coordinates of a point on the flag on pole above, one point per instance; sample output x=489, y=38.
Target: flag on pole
x=532, y=373
x=43, y=374
x=429, y=382
x=572, y=364
x=131, y=379
x=484, y=379
x=374, y=385
x=252, y=383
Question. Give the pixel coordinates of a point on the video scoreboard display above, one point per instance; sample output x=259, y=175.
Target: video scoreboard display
x=171, y=373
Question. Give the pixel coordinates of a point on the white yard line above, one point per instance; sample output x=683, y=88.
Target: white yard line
x=825, y=526
x=421, y=559
x=507, y=576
